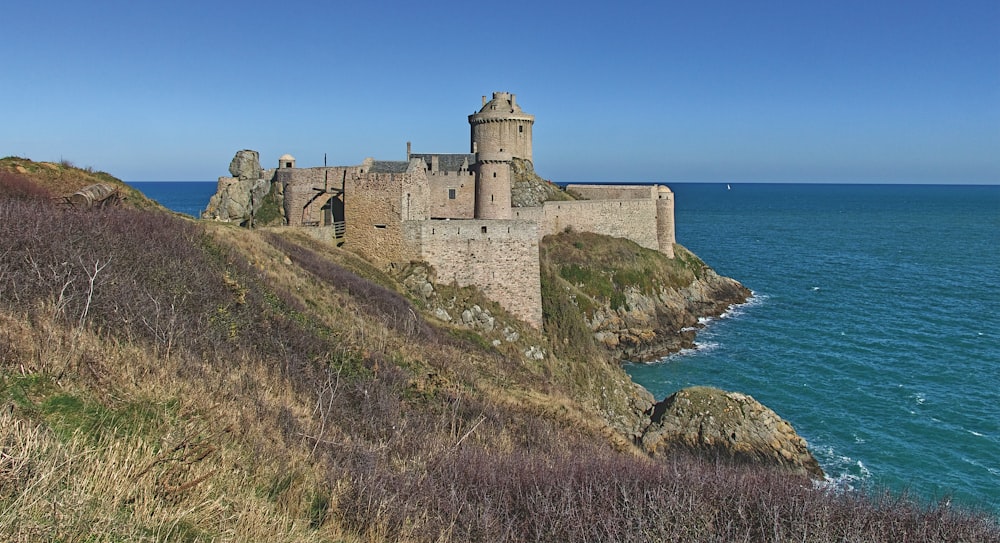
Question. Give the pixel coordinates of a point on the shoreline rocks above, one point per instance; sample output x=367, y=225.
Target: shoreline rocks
x=651, y=327
x=710, y=421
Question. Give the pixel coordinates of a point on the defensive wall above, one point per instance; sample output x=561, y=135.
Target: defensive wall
x=376, y=206
x=498, y=256
x=660, y=229
x=307, y=190
x=454, y=210
x=452, y=194
x=629, y=219
x=613, y=192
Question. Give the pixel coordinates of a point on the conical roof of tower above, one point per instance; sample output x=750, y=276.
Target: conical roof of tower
x=502, y=106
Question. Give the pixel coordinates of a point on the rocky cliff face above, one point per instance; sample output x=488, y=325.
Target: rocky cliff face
x=710, y=421
x=528, y=189
x=649, y=326
x=639, y=304
x=240, y=198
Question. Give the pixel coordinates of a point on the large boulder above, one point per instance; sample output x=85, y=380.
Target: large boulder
x=245, y=165
x=239, y=198
x=238, y=201
x=728, y=424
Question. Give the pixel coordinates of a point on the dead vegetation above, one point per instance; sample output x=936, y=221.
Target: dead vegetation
x=165, y=380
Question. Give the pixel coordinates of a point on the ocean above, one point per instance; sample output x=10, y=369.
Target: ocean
x=190, y=198
x=874, y=328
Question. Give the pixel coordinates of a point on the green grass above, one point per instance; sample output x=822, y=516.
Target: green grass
x=68, y=413
x=603, y=268
x=269, y=213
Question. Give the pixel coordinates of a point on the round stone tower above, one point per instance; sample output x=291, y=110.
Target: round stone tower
x=286, y=161
x=502, y=127
x=493, y=185
x=501, y=131
x=665, y=220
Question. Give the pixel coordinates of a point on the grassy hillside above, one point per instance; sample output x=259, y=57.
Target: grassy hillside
x=163, y=379
x=56, y=180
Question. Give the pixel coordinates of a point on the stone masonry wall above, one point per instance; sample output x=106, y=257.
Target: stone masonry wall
x=464, y=203
x=614, y=192
x=498, y=256
x=629, y=219
x=299, y=188
x=373, y=210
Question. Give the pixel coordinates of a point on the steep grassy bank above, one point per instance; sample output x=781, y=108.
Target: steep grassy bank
x=168, y=380
x=637, y=303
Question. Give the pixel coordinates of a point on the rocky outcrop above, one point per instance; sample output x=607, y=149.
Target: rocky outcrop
x=731, y=425
x=239, y=198
x=528, y=189
x=245, y=165
x=647, y=327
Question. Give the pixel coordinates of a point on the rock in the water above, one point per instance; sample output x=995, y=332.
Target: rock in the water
x=730, y=424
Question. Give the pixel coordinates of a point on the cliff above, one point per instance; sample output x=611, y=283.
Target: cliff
x=169, y=379
x=638, y=304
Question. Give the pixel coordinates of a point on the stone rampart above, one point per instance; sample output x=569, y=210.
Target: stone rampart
x=373, y=209
x=534, y=214
x=302, y=206
x=629, y=219
x=498, y=256
x=613, y=192
x=452, y=195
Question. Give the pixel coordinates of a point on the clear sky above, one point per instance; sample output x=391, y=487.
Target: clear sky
x=715, y=91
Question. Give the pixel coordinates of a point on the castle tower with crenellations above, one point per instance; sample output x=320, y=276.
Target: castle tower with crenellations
x=499, y=132
x=502, y=127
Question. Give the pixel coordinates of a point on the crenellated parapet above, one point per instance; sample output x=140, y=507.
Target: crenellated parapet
x=502, y=126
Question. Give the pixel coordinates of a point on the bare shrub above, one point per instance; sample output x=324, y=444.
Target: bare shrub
x=19, y=187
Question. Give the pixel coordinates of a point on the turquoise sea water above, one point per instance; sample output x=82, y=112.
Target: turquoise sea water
x=874, y=329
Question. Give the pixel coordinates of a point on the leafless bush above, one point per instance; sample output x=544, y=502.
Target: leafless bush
x=19, y=187
x=590, y=494
x=145, y=276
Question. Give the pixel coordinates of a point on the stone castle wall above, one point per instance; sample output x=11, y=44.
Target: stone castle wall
x=613, y=192
x=374, y=207
x=300, y=186
x=630, y=219
x=442, y=206
x=498, y=256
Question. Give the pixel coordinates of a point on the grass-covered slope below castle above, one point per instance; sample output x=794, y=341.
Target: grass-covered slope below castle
x=637, y=303
x=163, y=379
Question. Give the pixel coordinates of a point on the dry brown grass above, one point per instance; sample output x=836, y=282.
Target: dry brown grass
x=204, y=388
x=63, y=179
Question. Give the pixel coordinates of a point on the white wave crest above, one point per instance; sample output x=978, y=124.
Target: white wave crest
x=843, y=473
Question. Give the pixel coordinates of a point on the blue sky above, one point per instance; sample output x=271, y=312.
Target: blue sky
x=845, y=91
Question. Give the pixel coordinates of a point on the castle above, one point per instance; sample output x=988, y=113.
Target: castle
x=454, y=211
